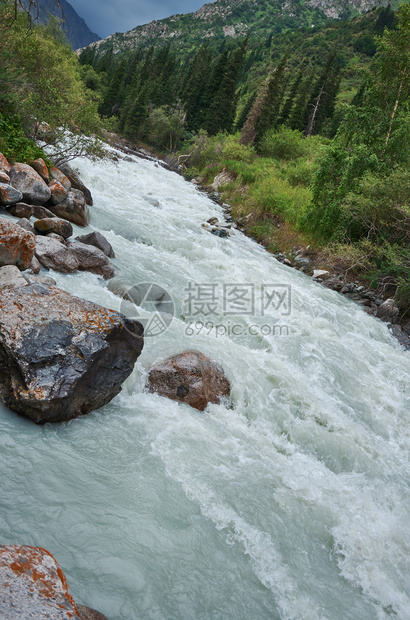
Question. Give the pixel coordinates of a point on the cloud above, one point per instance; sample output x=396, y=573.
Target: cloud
x=105, y=16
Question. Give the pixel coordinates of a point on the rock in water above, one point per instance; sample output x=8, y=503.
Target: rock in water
x=73, y=208
x=92, y=259
x=99, y=241
x=190, y=377
x=55, y=225
x=53, y=254
x=90, y=614
x=61, y=356
x=33, y=585
x=16, y=245
x=75, y=181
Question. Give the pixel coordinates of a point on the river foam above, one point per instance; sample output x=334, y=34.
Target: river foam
x=288, y=502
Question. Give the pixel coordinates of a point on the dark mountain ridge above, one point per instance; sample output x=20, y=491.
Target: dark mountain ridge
x=76, y=30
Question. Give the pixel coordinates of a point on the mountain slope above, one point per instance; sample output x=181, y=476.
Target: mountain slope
x=234, y=18
x=75, y=28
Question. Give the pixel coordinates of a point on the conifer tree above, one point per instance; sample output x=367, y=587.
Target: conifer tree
x=265, y=109
x=269, y=111
x=221, y=112
x=111, y=99
x=322, y=97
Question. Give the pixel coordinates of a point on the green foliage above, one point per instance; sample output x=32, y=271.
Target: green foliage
x=45, y=86
x=273, y=194
x=284, y=143
x=14, y=144
x=374, y=136
x=234, y=150
x=165, y=126
x=379, y=209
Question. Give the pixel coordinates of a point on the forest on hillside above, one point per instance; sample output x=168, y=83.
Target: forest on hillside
x=313, y=125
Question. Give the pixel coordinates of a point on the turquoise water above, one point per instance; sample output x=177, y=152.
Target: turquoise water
x=291, y=501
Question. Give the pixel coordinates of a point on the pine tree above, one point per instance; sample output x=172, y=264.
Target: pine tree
x=265, y=110
x=297, y=115
x=270, y=108
x=111, y=101
x=321, y=102
x=221, y=112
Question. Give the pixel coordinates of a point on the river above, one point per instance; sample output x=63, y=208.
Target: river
x=290, y=501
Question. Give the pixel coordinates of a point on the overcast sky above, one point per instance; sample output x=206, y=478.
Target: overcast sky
x=107, y=16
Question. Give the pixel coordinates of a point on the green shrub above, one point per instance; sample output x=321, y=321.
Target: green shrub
x=379, y=208
x=275, y=195
x=234, y=150
x=301, y=172
x=14, y=145
x=284, y=143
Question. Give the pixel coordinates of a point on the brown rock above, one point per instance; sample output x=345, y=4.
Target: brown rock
x=4, y=164
x=61, y=178
x=24, y=178
x=92, y=259
x=54, y=225
x=41, y=212
x=58, y=192
x=40, y=167
x=190, y=377
x=90, y=614
x=21, y=209
x=73, y=208
x=9, y=195
x=55, y=255
x=61, y=356
x=16, y=245
x=33, y=585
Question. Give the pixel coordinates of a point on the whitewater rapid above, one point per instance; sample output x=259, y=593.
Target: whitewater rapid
x=290, y=501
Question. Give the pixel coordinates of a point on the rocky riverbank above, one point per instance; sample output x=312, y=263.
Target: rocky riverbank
x=311, y=263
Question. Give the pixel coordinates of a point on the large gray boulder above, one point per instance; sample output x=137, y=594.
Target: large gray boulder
x=24, y=178
x=53, y=254
x=61, y=356
x=9, y=195
x=16, y=245
x=190, y=377
x=10, y=277
x=73, y=208
x=92, y=259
